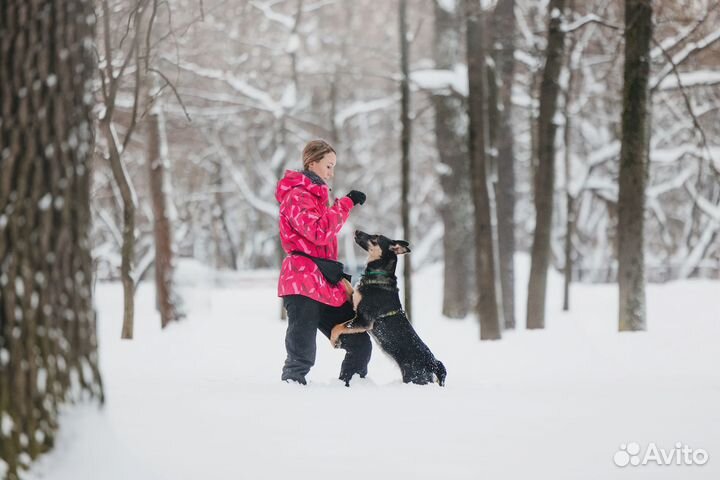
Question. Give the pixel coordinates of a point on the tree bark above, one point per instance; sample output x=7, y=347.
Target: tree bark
x=454, y=171
x=158, y=164
x=405, y=148
x=545, y=177
x=48, y=344
x=127, y=193
x=569, y=198
x=504, y=33
x=484, y=254
x=633, y=162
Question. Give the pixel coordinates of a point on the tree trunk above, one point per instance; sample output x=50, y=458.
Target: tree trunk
x=48, y=344
x=223, y=235
x=484, y=255
x=451, y=139
x=158, y=164
x=633, y=158
x=569, y=220
x=115, y=148
x=545, y=177
x=405, y=148
x=504, y=32
x=569, y=199
x=127, y=193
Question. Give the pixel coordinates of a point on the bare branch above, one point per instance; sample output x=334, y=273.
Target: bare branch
x=148, y=34
x=672, y=42
x=707, y=207
x=587, y=20
x=681, y=57
x=136, y=91
x=688, y=105
x=172, y=87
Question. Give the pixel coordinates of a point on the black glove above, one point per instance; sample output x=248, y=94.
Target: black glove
x=358, y=198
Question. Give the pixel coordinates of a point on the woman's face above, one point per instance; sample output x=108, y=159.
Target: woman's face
x=325, y=168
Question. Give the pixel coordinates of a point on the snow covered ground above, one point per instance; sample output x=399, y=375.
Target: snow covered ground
x=203, y=400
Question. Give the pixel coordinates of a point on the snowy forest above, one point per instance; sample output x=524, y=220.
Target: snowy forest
x=554, y=166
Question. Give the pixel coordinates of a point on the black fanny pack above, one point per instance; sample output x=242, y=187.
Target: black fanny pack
x=330, y=269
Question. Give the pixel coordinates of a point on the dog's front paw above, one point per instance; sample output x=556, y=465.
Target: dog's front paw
x=335, y=335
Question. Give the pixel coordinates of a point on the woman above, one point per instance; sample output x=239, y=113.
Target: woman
x=309, y=224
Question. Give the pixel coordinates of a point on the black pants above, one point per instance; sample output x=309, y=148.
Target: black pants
x=305, y=317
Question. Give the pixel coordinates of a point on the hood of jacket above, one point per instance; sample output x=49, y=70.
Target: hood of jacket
x=293, y=179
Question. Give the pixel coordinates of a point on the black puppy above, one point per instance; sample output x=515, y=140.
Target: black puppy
x=378, y=308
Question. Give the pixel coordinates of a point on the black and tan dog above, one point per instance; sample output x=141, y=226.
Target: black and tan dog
x=378, y=308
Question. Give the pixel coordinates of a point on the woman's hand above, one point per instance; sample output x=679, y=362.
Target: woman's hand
x=358, y=198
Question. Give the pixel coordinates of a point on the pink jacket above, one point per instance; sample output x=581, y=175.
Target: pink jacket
x=309, y=225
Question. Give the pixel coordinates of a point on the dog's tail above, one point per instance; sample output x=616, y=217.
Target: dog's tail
x=440, y=372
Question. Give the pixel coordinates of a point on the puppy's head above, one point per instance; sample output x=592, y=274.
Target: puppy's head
x=380, y=247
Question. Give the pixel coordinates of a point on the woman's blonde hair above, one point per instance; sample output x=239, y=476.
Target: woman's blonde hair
x=314, y=151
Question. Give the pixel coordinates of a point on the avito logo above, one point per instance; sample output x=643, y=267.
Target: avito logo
x=681, y=454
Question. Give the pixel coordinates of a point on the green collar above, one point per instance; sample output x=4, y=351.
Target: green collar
x=391, y=314
x=378, y=273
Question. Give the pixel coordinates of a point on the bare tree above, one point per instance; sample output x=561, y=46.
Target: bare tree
x=484, y=252
x=504, y=45
x=111, y=82
x=405, y=150
x=545, y=176
x=158, y=163
x=633, y=165
x=48, y=344
x=569, y=199
x=131, y=86
x=452, y=148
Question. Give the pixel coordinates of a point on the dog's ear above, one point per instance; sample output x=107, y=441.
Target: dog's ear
x=400, y=247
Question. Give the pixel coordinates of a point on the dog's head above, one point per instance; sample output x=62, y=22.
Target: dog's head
x=382, y=251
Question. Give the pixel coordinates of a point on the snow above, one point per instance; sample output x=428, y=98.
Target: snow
x=690, y=79
x=6, y=425
x=19, y=287
x=362, y=107
x=688, y=50
x=580, y=22
x=293, y=43
x=263, y=99
x=45, y=202
x=284, y=20
x=41, y=380
x=438, y=81
x=447, y=5
x=203, y=399
x=532, y=62
x=289, y=97
x=264, y=206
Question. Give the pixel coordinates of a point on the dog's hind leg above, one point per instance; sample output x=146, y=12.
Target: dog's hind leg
x=358, y=349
